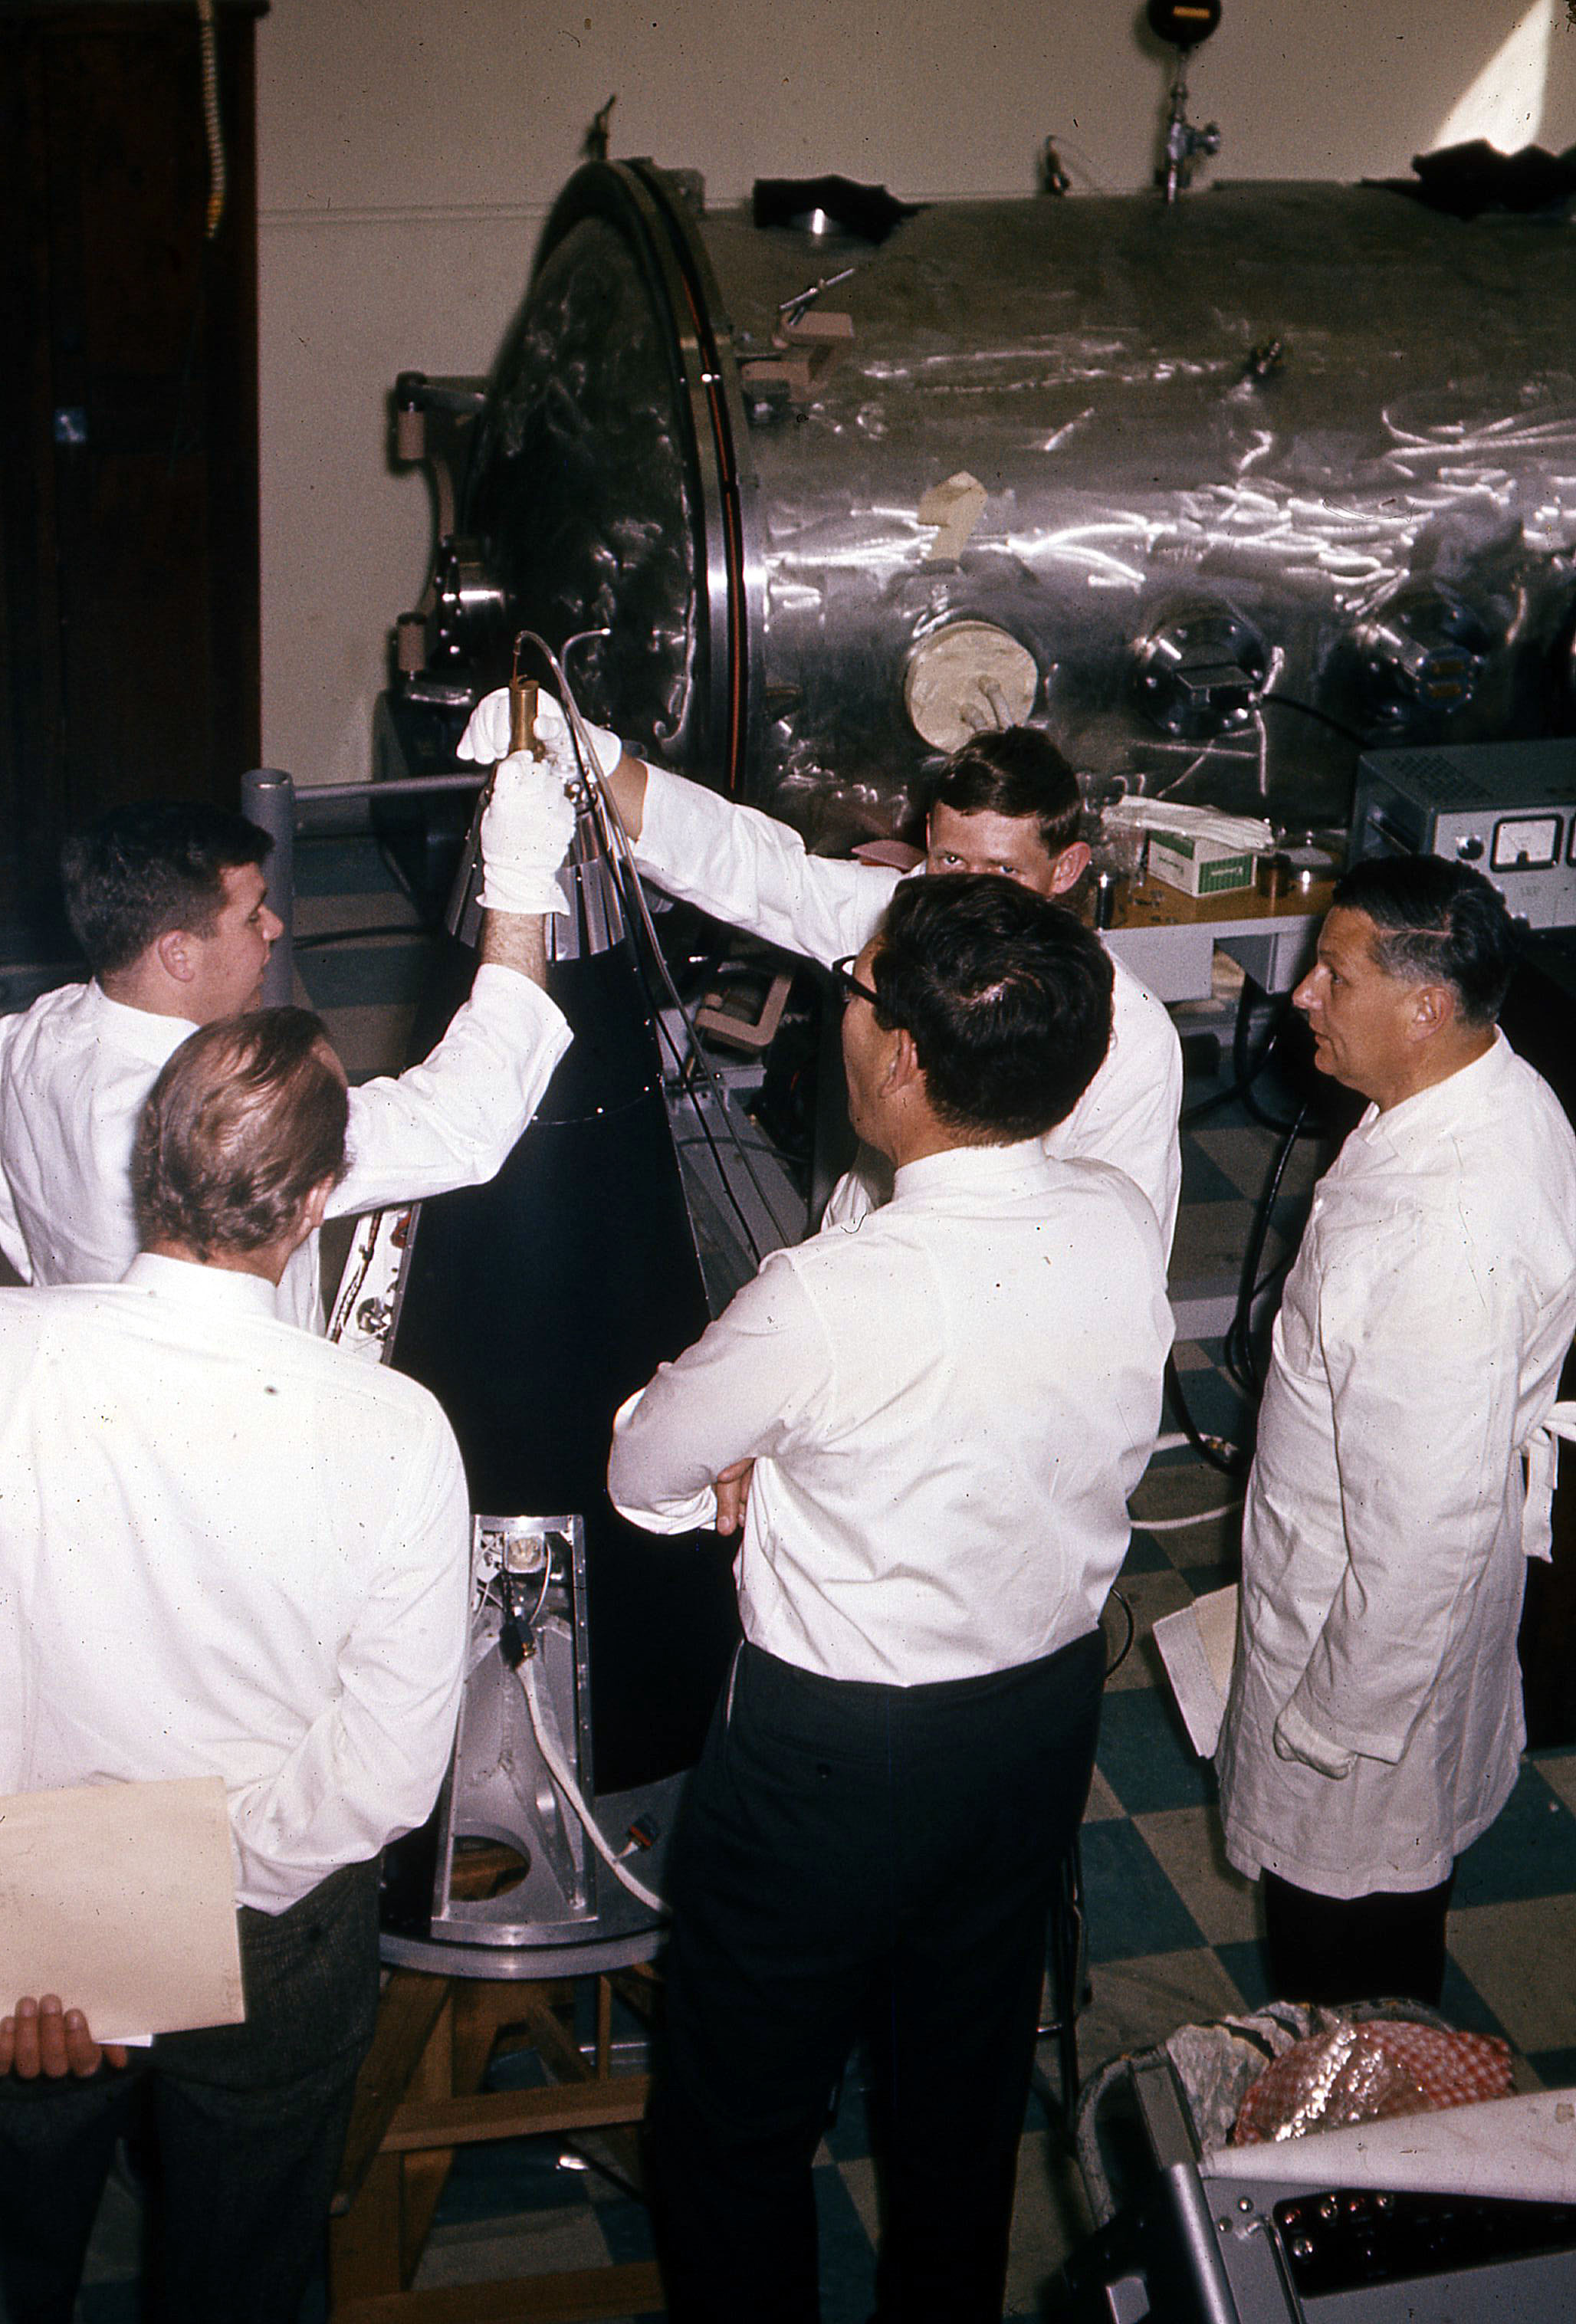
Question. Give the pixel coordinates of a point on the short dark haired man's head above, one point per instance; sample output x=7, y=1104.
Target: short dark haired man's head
x=241, y=1141
x=1413, y=960
x=147, y=876
x=1008, y=802
x=1004, y=997
x=1436, y=922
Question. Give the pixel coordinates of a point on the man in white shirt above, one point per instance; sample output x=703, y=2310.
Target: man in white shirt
x=1374, y=1720
x=1007, y=803
x=226, y=1548
x=167, y=901
x=933, y=1419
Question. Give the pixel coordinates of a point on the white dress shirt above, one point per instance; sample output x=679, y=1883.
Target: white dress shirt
x=227, y=1548
x=747, y=869
x=76, y=1067
x=947, y=1408
x=1417, y=1349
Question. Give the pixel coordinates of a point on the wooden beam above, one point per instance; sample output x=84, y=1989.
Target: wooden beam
x=576, y=2297
x=515, y=2114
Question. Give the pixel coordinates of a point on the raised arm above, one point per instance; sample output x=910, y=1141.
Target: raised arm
x=732, y=861
x=454, y=1119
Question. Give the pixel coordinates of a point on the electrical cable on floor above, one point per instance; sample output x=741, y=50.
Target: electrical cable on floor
x=1180, y=1524
x=1217, y=1450
x=1123, y=1652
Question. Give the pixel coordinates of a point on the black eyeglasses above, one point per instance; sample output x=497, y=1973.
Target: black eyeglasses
x=848, y=985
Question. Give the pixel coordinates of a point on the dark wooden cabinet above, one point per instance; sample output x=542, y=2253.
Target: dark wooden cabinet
x=129, y=629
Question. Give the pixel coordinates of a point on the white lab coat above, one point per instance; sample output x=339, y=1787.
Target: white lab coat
x=1417, y=1350
x=750, y=870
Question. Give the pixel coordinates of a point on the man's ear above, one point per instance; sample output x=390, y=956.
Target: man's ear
x=1434, y=1010
x=174, y=954
x=1069, y=867
x=314, y=1208
x=903, y=1065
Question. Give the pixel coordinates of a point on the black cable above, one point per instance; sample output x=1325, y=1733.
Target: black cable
x=1245, y=1069
x=1239, y=1359
x=1125, y=1648
x=1290, y=702
x=687, y=1090
x=354, y=936
x=1228, y=1460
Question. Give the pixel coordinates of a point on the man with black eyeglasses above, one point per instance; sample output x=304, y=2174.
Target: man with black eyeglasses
x=929, y=1422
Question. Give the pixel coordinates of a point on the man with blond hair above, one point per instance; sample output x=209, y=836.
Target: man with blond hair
x=227, y=1549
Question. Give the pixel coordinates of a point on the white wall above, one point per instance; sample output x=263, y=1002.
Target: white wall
x=409, y=149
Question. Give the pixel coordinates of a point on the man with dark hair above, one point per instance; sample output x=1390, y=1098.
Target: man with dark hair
x=1006, y=802
x=1375, y=1720
x=930, y=1426
x=168, y=900
x=150, y=868
x=229, y=1549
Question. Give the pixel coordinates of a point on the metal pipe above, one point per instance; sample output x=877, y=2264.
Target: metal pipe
x=268, y=798
x=398, y=787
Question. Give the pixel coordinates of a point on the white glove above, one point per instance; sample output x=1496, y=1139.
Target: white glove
x=527, y=825
x=486, y=735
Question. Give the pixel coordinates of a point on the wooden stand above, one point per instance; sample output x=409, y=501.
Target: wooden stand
x=419, y=2096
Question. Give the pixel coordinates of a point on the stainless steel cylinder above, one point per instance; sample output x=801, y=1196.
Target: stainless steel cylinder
x=1032, y=459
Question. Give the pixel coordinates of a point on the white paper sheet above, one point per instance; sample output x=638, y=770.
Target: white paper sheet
x=1198, y=1645
x=1519, y=2147
x=120, y=1897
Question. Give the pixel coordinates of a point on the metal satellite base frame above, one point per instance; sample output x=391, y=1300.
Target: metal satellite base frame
x=567, y=1914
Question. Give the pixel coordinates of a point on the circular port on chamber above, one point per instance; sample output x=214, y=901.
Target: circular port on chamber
x=1198, y=672
x=1421, y=652
x=968, y=678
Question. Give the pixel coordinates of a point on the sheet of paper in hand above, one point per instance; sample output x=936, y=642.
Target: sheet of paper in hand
x=120, y=1897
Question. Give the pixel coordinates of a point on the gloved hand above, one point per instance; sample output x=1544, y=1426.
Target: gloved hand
x=486, y=735
x=527, y=825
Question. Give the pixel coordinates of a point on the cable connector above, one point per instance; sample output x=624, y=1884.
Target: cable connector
x=643, y=1833
x=515, y=1641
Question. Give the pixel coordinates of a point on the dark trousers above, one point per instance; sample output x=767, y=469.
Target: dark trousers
x=860, y=1858
x=248, y=2124
x=1334, y=1949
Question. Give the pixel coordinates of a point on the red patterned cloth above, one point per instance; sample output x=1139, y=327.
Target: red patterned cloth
x=1363, y=2073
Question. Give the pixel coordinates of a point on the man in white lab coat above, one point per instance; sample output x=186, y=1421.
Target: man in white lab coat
x=1375, y=1718
x=227, y=1549
x=1007, y=803
x=934, y=1420
x=168, y=900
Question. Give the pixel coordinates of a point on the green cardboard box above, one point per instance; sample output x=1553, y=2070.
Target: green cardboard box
x=1199, y=867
